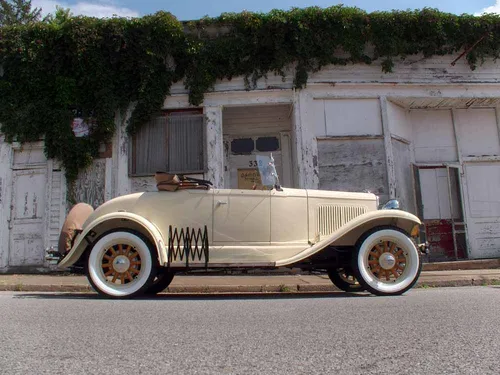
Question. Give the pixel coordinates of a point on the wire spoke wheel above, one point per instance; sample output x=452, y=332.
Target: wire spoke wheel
x=386, y=261
x=121, y=264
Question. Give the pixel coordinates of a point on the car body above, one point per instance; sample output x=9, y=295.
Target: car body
x=134, y=244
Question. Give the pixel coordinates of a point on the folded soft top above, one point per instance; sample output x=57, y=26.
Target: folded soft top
x=172, y=182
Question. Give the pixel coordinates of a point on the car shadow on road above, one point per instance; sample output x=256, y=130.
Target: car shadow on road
x=194, y=297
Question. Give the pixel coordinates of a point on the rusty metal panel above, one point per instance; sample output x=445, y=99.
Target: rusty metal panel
x=440, y=237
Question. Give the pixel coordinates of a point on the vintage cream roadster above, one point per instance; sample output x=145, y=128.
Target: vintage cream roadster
x=134, y=244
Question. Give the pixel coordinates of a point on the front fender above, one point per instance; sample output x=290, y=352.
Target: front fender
x=80, y=243
x=355, y=228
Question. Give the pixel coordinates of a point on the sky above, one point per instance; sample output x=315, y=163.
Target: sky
x=195, y=9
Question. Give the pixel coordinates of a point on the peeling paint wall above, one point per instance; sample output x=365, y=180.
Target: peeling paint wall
x=353, y=165
x=89, y=187
x=139, y=184
x=214, y=146
x=5, y=178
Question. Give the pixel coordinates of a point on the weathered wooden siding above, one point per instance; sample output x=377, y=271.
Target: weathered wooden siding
x=483, y=206
x=477, y=132
x=353, y=165
x=433, y=136
x=5, y=183
x=414, y=69
x=347, y=117
x=403, y=172
x=56, y=207
x=399, y=121
x=256, y=120
x=90, y=184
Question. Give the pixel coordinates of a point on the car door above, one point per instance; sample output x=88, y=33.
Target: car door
x=242, y=216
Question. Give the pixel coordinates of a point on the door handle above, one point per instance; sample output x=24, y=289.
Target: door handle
x=221, y=203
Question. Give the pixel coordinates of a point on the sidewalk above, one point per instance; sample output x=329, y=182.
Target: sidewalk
x=245, y=283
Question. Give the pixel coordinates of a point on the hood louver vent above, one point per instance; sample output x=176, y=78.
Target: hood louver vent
x=332, y=217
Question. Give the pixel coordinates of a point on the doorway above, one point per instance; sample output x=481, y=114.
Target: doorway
x=440, y=207
x=28, y=208
x=252, y=131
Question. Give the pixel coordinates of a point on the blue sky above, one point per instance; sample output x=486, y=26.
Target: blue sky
x=195, y=9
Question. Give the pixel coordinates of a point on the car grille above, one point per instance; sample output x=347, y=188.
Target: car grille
x=332, y=217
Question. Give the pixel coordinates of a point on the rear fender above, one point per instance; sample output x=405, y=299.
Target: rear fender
x=349, y=234
x=98, y=226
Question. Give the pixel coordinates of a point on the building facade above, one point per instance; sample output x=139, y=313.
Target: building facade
x=426, y=134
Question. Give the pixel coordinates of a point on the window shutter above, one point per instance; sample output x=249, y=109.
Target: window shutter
x=185, y=141
x=150, y=149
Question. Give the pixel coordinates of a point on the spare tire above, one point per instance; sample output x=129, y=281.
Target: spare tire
x=72, y=226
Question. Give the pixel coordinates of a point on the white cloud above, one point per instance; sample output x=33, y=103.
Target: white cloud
x=492, y=9
x=101, y=9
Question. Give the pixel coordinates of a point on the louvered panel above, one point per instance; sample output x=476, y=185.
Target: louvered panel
x=55, y=208
x=186, y=137
x=332, y=217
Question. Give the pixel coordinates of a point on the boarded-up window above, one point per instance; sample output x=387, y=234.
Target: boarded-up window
x=172, y=143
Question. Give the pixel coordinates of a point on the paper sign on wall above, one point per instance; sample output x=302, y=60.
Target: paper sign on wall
x=249, y=178
x=80, y=127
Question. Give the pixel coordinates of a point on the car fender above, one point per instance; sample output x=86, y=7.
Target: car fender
x=360, y=224
x=81, y=243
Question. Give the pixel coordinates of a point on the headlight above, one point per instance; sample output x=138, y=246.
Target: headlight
x=393, y=204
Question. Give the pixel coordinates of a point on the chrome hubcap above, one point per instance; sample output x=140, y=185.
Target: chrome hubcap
x=121, y=263
x=387, y=261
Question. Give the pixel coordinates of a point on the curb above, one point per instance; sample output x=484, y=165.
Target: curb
x=215, y=289
x=480, y=264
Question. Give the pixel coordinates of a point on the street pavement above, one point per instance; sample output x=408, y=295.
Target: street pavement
x=425, y=331
x=246, y=283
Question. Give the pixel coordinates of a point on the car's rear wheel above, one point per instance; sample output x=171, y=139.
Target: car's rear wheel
x=161, y=282
x=386, y=262
x=344, y=279
x=121, y=264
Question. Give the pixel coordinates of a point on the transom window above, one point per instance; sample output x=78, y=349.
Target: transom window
x=172, y=142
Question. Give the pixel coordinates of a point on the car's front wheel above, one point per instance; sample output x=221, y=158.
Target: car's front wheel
x=121, y=264
x=386, y=261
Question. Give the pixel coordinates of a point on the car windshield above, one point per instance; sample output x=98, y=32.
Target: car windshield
x=267, y=170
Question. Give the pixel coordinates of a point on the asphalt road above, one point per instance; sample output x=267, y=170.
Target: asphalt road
x=426, y=331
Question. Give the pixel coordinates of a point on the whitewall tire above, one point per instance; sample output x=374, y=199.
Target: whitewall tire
x=121, y=264
x=387, y=262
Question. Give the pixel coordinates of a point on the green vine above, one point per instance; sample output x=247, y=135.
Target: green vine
x=52, y=72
